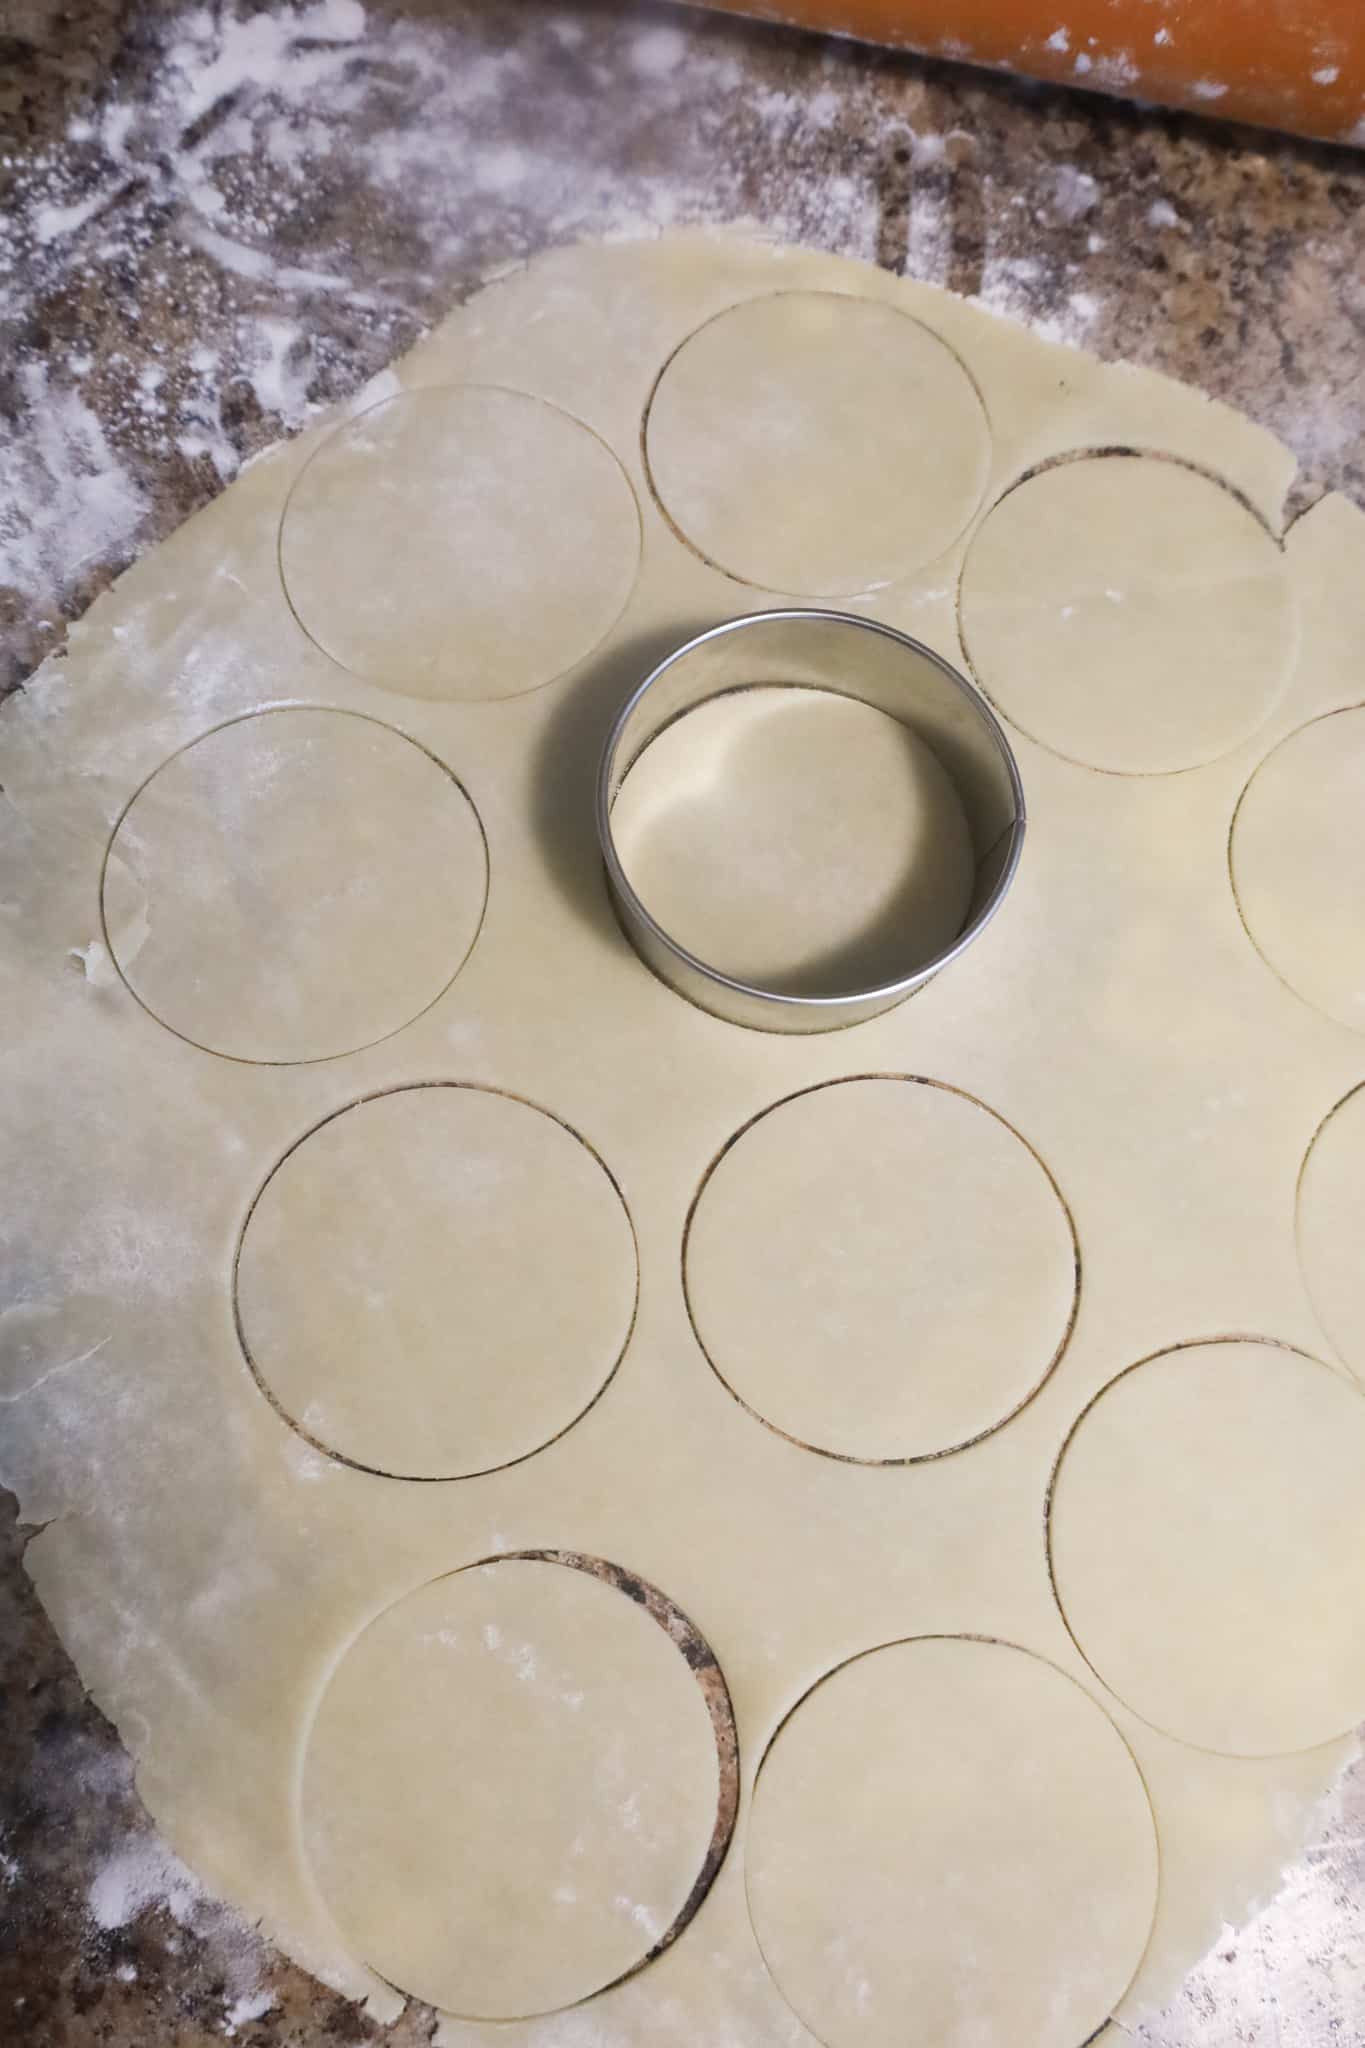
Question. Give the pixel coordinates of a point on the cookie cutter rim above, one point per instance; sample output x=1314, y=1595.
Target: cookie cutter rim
x=749, y=1003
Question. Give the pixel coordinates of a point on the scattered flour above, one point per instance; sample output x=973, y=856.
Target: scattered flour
x=64, y=491
x=1075, y=192
x=281, y=369
x=657, y=51
x=1117, y=72
x=254, y=2006
x=142, y=1875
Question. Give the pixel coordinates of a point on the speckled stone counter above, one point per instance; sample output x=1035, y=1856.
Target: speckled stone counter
x=214, y=223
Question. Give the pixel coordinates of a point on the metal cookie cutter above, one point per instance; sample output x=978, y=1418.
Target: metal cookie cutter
x=851, y=657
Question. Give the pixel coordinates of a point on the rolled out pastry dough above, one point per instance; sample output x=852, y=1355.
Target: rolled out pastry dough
x=363, y=960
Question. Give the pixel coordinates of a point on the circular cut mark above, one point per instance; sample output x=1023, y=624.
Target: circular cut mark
x=293, y=886
x=436, y=1282
x=1298, y=863
x=1206, y=1530
x=511, y=1788
x=1128, y=613
x=1331, y=1205
x=797, y=840
x=952, y=1846
x=880, y=1269
x=817, y=444
x=463, y=542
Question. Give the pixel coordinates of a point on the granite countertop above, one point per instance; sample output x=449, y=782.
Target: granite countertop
x=212, y=224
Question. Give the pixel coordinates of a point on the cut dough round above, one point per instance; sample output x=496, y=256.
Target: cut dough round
x=797, y=840
x=1298, y=863
x=1206, y=1530
x=436, y=1282
x=881, y=1269
x=460, y=542
x=1331, y=1206
x=817, y=444
x=1128, y=613
x=254, y=871
x=951, y=1847
x=510, y=1789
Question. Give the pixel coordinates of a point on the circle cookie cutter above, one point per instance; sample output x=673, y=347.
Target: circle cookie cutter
x=846, y=656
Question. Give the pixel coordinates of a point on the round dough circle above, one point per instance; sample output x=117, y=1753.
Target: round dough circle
x=462, y=542
x=817, y=444
x=1128, y=613
x=1206, y=1529
x=436, y=1282
x=255, y=868
x=510, y=1789
x=1298, y=863
x=952, y=1846
x=880, y=1269
x=797, y=840
x=1331, y=1205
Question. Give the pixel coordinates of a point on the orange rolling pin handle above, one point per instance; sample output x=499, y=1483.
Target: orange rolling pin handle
x=1293, y=64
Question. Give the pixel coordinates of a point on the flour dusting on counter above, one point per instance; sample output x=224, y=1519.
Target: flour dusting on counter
x=142, y=1874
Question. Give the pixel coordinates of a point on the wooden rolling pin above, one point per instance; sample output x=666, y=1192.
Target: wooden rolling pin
x=1294, y=64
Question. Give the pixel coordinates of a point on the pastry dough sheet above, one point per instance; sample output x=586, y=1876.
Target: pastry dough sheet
x=1144, y=1083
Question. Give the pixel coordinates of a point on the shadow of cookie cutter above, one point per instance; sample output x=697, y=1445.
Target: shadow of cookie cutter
x=846, y=656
